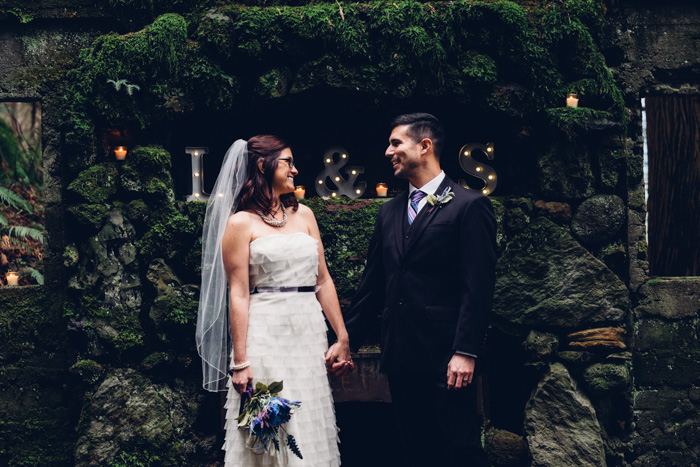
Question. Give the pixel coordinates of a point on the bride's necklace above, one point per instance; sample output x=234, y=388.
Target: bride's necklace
x=274, y=222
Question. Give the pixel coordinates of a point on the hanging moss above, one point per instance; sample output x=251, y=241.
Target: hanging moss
x=499, y=56
x=574, y=121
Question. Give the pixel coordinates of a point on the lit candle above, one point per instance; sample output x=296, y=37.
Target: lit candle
x=299, y=192
x=120, y=152
x=382, y=190
x=12, y=278
x=572, y=100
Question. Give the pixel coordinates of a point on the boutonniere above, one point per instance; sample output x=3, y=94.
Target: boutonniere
x=439, y=200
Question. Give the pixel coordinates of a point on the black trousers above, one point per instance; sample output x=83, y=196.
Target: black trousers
x=436, y=427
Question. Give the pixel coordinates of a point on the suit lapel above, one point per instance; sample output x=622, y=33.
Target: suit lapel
x=423, y=218
x=399, y=213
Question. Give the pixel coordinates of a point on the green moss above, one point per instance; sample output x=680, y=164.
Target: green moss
x=575, y=121
x=97, y=184
x=88, y=371
x=170, y=232
x=154, y=360
x=90, y=215
x=137, y=210
x=70, y=256
x=36, y=422
x=24, y=312
x=273, y=84
x=346, y=227
x=146, y=172
x=498, y=55
x=177, y=308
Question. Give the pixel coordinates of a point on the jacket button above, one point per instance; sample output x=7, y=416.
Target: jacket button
x=401, y=301
x=408, y=235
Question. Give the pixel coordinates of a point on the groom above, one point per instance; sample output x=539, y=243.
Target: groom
x=430, y=272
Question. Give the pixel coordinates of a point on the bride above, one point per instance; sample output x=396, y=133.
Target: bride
x=270, y=254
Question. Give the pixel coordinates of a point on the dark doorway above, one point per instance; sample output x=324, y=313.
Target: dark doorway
x=673, y=138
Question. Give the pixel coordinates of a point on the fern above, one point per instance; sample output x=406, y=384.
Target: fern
x=20, y=231
x=130, y=88
x=122, y=82
x=13, y=200
x=3, y=221
x=117, y=84
x=36, y=275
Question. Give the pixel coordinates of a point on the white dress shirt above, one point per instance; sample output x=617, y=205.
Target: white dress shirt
x=429, y=189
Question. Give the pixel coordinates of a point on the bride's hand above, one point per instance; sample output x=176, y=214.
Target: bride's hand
x=338, y=359
x=241, y=379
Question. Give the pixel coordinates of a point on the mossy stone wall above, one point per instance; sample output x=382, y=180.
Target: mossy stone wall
x=123, y=252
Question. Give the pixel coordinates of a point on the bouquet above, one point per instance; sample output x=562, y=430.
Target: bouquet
x=262, y=416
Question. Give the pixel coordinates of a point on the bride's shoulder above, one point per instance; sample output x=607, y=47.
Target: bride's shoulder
x=241, y=219
x=305, y=212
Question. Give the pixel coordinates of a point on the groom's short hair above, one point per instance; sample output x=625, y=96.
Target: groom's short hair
x=421, y=126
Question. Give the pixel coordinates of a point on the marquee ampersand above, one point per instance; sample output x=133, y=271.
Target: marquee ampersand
x=330, y=182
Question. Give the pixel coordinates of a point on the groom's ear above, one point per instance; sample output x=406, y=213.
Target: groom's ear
x=426, y=145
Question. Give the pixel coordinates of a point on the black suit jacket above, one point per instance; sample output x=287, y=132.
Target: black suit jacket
x=432, y=282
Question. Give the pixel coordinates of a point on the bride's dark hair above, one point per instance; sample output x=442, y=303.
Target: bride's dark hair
x=257, y=189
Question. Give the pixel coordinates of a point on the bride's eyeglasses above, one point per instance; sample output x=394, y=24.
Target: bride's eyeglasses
x=289, y=161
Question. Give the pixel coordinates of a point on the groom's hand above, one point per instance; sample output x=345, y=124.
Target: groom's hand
x=460, y=371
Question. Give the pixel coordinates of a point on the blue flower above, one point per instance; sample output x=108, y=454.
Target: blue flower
x=280, y=411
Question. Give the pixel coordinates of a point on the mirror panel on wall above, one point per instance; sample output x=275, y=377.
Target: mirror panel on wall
x=21, y=187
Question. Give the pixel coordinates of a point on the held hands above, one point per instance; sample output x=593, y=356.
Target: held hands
x=460, y=371
x=338, y=359
x=241, y=379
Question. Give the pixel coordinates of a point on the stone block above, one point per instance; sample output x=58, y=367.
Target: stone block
x=670, y=298
x=652, y=334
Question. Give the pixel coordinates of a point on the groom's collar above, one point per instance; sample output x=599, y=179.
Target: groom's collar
x=430, y=187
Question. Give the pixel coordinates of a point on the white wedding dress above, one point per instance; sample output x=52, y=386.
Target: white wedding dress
x=287, y=342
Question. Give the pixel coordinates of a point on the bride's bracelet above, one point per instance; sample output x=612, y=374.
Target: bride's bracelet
x=240, y=367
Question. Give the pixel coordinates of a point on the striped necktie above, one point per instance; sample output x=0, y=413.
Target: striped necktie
x=416, y=196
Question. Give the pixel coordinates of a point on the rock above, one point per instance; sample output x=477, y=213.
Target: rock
x=97, y=184
x=505, y=448
x=599, y=219
x=598, y=338
x=561, y=425
x=657, y=335
x=669, y=298
x=564, y=171
x=127, y=410
x=557, y=212
x=516, y=220
x=541, y=344
x=604, y=378
x=88, y=371
x=576, y=359
x=546, y=280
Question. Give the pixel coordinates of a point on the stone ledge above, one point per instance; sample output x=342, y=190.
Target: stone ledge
x=26, y=11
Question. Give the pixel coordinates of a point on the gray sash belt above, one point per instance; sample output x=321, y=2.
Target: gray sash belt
x=306, y=288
